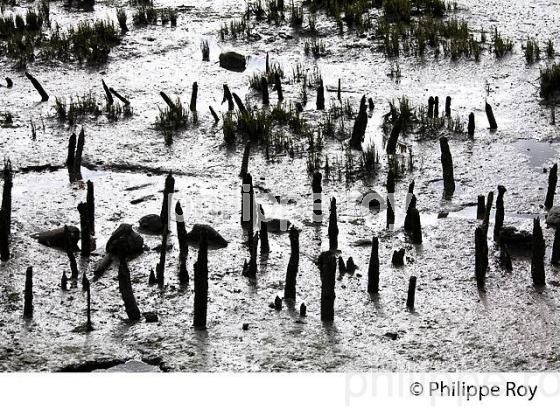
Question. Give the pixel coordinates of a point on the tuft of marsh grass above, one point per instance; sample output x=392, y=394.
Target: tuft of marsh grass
x=532, y=51
x=502, y=45
x=173, y=119
x=121, y=18
x=550, y=48
x=550, y=82
x=315, y=48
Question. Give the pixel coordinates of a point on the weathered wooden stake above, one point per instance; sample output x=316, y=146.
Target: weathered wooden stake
x=302, y=310
x=333, y=226
x=390, y=196
x=552, y=181
x=85, y=229
x=64, y=281
x=339, y=91
x=125, y=288
x=500, y=212
x=327, y=268
x=555, y=258
x=489, y=202
x=245, y=160
x=239, y=104
x=393, y=139
x=228, y=97
x=341, y=266
x=77, y=167
x=490, y=116
x=411, y=293
x=160, y=267
x=416, y=226
x=87, y=289
x=537, y=259
x=108, y=95
x=70, y=254
x=4, y=237
x=317, y=189
x=481, y=255
x=293, y=265
x=38, y=87
x=28, y=294
x=321, y=96
x=250, y=269
x=373, y=269
x=481, y=207
x=194, y=96
x=214, y=115
x=71, y=152
x=248, y=208
x=264, y=90
x=431, y=103
x=448, y=107
x=90, y=199
x=408, y=226
x=8, y=176
x=447, y=165
x=168, y=101
x=201, y=286
x=470, y=127
x=168, y=191
x=263, y=233
x=119, y=96
x=278, y=87
x=360, y=125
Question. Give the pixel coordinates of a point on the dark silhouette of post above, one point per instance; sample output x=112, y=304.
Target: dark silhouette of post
x=490, y=116
x=500, y=212
x=537, y=258
x=28, y=294
x=447, y=166
x=327, y=268
x=481, y=255
x=333, y=226
x=552, y=181
x=127, y=294
x=373, y=269
x=410, y=300
x=293, y=265
x=201, y=285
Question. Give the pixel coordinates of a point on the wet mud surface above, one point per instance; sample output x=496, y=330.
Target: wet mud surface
x=510, y=327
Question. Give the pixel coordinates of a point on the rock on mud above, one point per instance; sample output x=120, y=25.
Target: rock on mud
x=125, y=240
x=213, y=238
x=231, y=60
x=55, y=237
x=151, y=223
x=553, y=217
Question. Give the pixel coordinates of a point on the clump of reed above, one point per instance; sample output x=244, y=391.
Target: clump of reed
x=256, y=124
x=296, y=16
x=237, y=28
x=121, y=18
x=502, y=45
x=549, y=48
x=172, y=119
x=315, y=48
x=532, y=51
x=550, y=82
x=75, y=109
x=255, y=81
